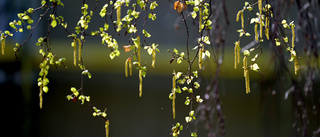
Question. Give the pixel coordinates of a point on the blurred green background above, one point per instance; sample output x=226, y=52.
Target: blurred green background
x=252, y=115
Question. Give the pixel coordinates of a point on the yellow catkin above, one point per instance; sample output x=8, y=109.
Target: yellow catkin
x=260, y=6
x=235, y=57
x=293, y=36
x=242, y=20
x=126, y=67
x=174, y=96
x=268, y=22
x=40, y=97
x=238, y=15
x=130, y=67
x=3, y=43
x=247, y=79
x=236, y=54
x=153, y=58
x=267, y=28
x=246, y=74
x=261, y=29
x=296, y=66
x=126, y=64
x=140, y=84
x=74, y=45
x=80, y=48
x=260, y=11
x=245, y=65
x=200, y=57
x=140, y=71
x=107, y=128
x=200, y=18
x=256, y=31
x=119, y=16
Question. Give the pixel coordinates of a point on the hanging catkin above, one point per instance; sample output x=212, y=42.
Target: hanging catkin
x=140, y=70
x=74, y=45
x=293, y=36
x=260, y=15
x=200, y=18
x=256, y=31
x=246, y=74
x=40, y=97
x=153, y=58
x=260, y=6
x=242, y=20
x=3, y=43
x=174, y=96
x=119, y=16
x=126, y=67
x=236, y=54
x=200, y=56
x=107, y=128
x=266, y=31
x=80, y=48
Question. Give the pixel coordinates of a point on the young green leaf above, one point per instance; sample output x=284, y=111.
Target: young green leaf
x=54, y=23
x=145, y=33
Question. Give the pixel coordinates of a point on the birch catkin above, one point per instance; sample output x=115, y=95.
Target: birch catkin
x=256, y=31
x=80, y=47
x=236, y=54
x=200, y=18
x=153, y=58
x=238, y=14
x=140, y=84
x=126, y=64
x=126, y=67
x=260, y=6
x=260, y=11
x=261, y=29
x=246, y=74
x=3, y=43
x=293, y=36
x=174, y=96
x=235, y=57
x=130, y=67
x=200, y=57
x=267, y=28
x=296, y=65
x=40, y=97
x=74, y=45
x=140, y=71
x=242, y=20
x=107, y=128
x=119, y=16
